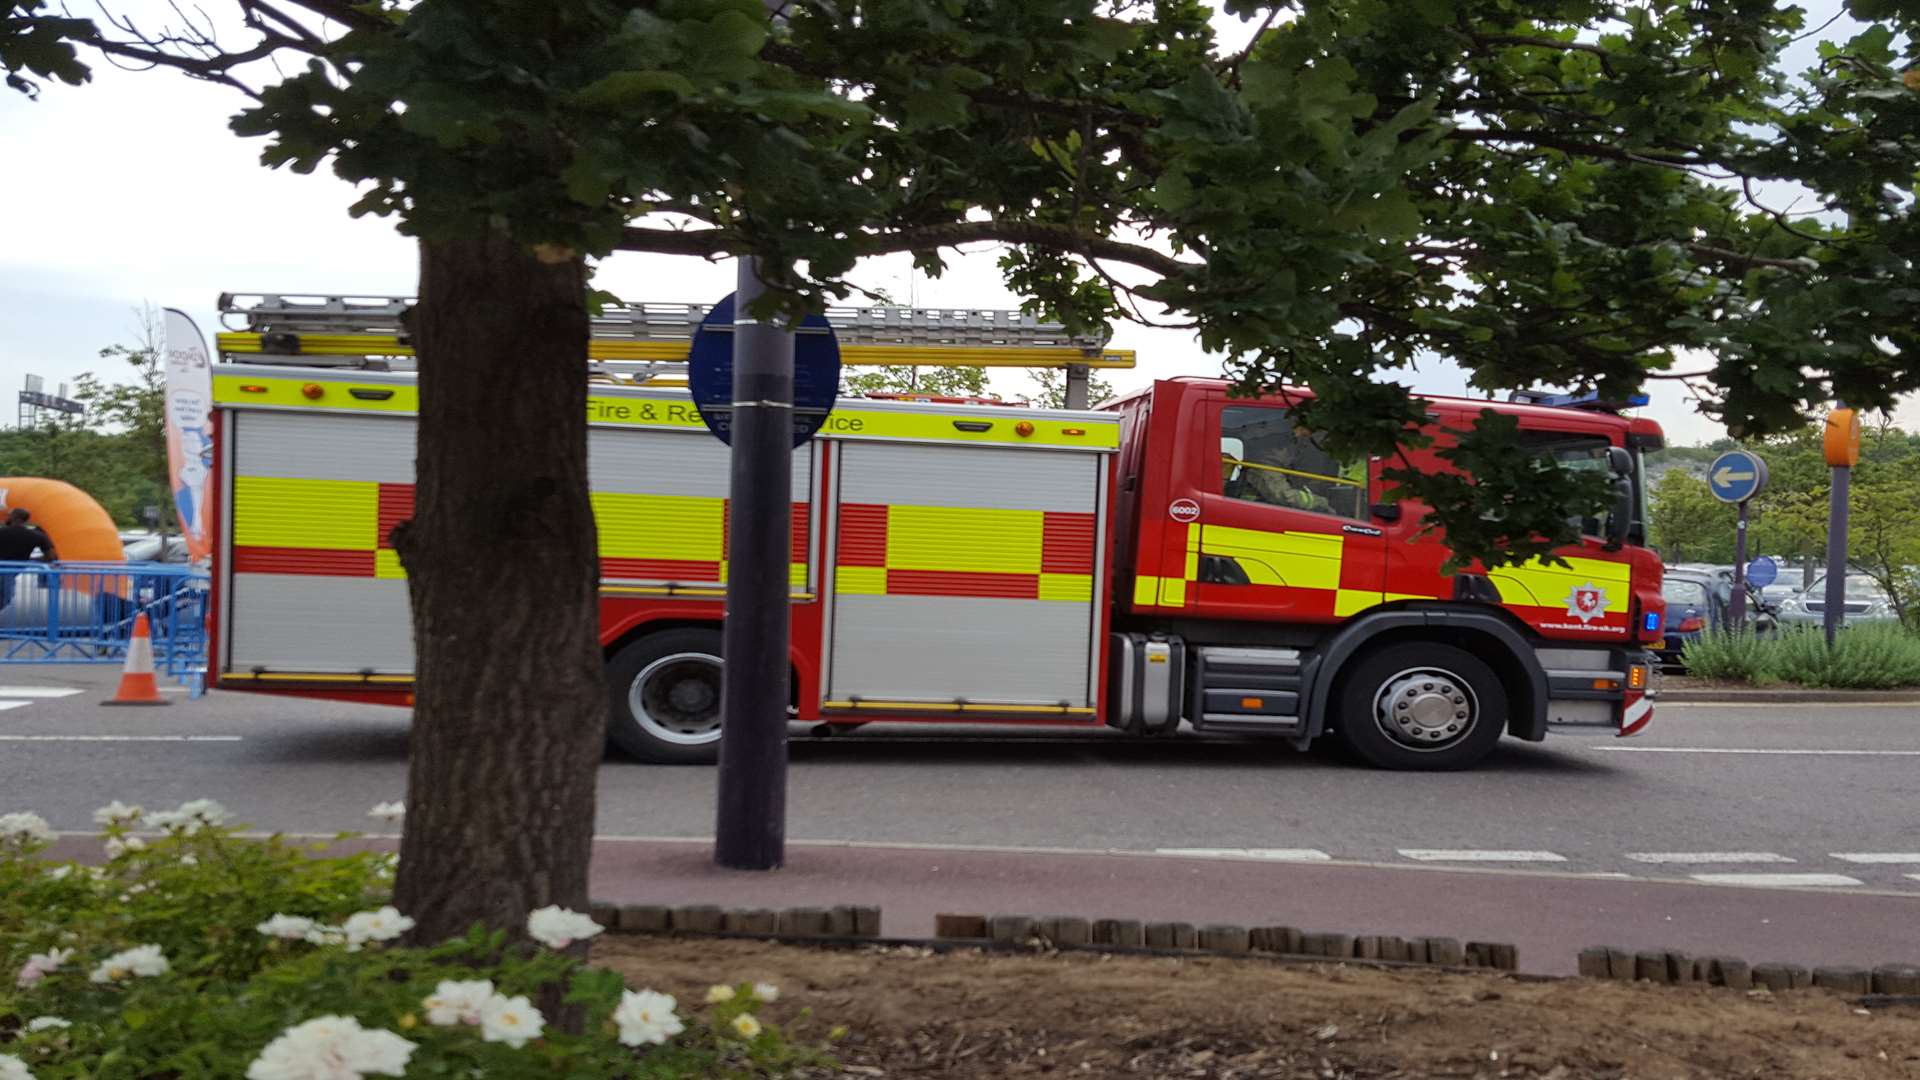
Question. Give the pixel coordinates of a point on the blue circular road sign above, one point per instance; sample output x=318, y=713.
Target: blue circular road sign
x=1762, y=572
x=1736, y=476
x=816, y=373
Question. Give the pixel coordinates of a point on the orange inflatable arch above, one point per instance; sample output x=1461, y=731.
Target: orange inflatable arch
x=81, y=530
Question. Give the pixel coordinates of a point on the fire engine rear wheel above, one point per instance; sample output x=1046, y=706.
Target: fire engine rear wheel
x=1421, y=705
x=665, y=695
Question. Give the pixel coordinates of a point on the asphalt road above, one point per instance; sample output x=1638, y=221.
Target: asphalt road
x=1799, y=795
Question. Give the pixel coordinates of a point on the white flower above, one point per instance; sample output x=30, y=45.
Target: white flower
x=766, y=992
x=510, y=1020
x=331, y=1048
x=47, y=1023
x=25, y=828
x=189, y=860
x=647, y=1018
x=40, y=965
x=719, y=994
x=388, y=811
x=12, y=1068
x=455, y=1002
x=140, y=960
x=556, y=927
x=116, y=846
x=173, y=821
x=746, y=1026
x=384, y=924
x=59, y=873
x=205, y=810
x=286, y=927
x=324, y=935
x=117, y=813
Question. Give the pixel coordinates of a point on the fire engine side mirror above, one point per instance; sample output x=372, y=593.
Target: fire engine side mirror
x=1619, y=461
x=1620, y=518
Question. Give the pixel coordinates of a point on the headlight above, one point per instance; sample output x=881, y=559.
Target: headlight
x=1793, y=605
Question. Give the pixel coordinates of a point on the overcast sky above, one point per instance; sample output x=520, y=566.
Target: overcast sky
x=131, y=189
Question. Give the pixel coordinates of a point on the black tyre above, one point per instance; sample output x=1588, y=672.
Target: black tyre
x=1419, y=705
x=664, y=690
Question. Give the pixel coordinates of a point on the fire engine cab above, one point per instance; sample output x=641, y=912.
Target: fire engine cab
x=1178, y=560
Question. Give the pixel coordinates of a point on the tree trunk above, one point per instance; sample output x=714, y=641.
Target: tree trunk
x=510, y=709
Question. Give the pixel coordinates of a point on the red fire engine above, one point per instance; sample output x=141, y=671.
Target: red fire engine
x=1179, y=559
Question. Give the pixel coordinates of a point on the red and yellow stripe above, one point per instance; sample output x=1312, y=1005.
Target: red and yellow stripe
x=896, y=550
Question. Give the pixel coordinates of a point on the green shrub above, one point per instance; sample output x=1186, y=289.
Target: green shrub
x=1868, y=656
x=194, y=954
x=1733, y=657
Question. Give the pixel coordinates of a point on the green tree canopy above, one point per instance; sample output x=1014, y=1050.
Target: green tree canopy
x=1565, y=192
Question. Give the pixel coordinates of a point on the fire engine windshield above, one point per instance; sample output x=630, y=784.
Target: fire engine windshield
x=1583, y=452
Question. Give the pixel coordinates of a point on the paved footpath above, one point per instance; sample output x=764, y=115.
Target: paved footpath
x=1549, y=916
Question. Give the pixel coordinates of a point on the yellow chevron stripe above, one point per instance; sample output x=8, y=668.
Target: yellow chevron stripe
x=1302, y=560
x=659, y=526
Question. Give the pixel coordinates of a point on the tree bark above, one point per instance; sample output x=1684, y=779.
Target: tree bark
x=510, y=710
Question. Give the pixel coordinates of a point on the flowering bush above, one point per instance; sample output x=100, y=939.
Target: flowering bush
x=195, y=954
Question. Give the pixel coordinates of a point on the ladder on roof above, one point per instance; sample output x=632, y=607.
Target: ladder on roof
x=643, y=341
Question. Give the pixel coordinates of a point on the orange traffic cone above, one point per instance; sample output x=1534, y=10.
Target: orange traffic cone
x=136, y=681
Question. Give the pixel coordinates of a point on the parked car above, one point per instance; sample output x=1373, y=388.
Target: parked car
x=1865, y=602
x=1699, y=601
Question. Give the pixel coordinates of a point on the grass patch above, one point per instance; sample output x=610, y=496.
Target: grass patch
x=1873, y=656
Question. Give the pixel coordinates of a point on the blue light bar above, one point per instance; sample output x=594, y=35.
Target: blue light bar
x=1653, y=621
x=1589, y=400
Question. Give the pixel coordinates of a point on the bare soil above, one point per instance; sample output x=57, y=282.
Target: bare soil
x=914, y=1013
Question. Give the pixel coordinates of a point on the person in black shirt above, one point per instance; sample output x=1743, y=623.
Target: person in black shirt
x=18, y=542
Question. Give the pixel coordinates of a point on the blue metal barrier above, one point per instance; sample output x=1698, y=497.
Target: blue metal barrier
x=83, y=613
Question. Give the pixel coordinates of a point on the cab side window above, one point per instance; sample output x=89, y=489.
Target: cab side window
x=1265, y=459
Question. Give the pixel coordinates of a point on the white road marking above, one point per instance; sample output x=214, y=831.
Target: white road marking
x=1706, y=857
x=1776, y=880
x=5, y=705
x=1915, y=877
x=1273, y=854
x=37, y=691
x=120, y=738
x=1879, y=857
x=1665, y=705
x=1476, y=855
x=1752, y=750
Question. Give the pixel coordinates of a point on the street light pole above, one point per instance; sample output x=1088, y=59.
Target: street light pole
x=750, y=832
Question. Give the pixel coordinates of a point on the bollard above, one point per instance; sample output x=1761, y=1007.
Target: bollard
x=866, y=920
x=1126, y=933
x=804, y=922
x=1066, y=930
x=1593, y=963
x=1730, y=972
x=1844, y=980
x=970, y=927
x=1232, y=940
x=645, y=918
x=1445, y=951
x=753, y=921
x=1896, y=979
x=1017, y=929
x=697, y=917
x=1651, y=967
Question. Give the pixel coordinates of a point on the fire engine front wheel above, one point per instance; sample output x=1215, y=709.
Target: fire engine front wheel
x=665, y=696
x=1419, y=705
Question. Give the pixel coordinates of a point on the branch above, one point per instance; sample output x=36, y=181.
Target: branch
x=344, y=13
x=714, y=243
x=1232, y=66
x=1708, y=251
x=1664, y=158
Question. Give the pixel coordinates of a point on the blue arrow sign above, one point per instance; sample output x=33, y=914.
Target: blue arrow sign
x=816, y=373
x=1736, y=476
x=1762, y=572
